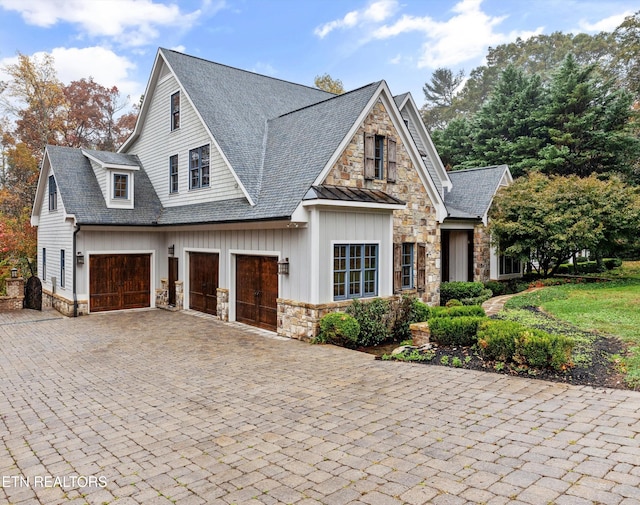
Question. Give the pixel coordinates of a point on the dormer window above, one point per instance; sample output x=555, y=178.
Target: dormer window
x=175, y=111
x=121, y=186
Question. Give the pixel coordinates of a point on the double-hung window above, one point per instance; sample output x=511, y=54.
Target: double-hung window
x=173, y=174
x=355, y=270
x=121, y=186
x=407, y=266
x=44, y=263
x=175, y=111
x=509, y=266
x=379, y=157
x=199, y=167
x=53, y=193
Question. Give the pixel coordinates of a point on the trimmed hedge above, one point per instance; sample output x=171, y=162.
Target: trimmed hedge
x=457, y=311
x=510, y=341
x=340, y=329
x=459, y=290
x=460, y=330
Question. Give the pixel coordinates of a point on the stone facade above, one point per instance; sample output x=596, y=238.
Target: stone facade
x=415, y=224
x=15, y=295
x=420, y=333
x=62, y=305
x=222, y=307
x=481, y=254
x=162, y=295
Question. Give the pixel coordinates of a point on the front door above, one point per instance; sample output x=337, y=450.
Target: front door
x=203, y=282
x=257, y=291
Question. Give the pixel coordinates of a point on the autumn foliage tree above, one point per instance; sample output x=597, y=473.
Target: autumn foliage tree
x=41, y=110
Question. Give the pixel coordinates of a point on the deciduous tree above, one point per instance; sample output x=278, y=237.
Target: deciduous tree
x=326, y=83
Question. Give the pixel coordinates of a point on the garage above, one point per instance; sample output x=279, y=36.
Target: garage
x=119, y=281
x=203, y=282
x=257, y=291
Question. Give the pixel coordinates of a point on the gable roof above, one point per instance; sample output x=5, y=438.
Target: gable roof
x=80, y=191
x=473, y=191
x=235, y=106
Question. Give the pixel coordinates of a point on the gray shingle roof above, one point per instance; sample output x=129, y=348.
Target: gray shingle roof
x=109, y=158
x=236, y=105
x=81, y=194
x=473, y=191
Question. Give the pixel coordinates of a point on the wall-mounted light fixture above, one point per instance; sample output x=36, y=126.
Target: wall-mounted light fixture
x=14, y=273
x=79, y=258
x=172, y=250
x=283, y=267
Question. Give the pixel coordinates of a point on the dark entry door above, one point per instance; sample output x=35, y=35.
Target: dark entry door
x=119, y=281
x=173, y=277
x=257, y=291
x=203, y=282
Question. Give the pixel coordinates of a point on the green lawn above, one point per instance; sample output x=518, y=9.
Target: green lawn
x=611, y=307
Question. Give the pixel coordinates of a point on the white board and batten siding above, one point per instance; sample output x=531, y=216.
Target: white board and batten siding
x=282, y=243
x=55, y=233
x=157, y=143
x=355, y=228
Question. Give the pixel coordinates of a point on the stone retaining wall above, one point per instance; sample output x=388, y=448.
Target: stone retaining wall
x=15, y=295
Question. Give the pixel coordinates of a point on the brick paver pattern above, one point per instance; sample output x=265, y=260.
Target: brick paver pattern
x=154, y=407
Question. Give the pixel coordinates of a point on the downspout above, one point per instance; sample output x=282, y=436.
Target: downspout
x=75, y=266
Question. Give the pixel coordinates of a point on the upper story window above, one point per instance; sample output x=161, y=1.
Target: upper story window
x=173, y=174
x=355, y=270
x=44, y=263
x=379, y=158
x=63, y=268
x=121, y=186
x=175, y=111
x=53, y=193
x=199, y=167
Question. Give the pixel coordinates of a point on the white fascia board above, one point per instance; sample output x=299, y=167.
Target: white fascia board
x=45, y=168
x=383, y=93
x=354, y=205
x=155, y=72
x=109, y=166
x=412, y=108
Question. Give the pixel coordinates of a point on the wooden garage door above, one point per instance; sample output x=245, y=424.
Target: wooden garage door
x=119, y=281
x=203, y=282
x=257, y=291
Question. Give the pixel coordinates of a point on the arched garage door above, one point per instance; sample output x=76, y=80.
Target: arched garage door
x=119, y=281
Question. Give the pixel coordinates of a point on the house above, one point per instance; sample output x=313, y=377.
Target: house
x=249, y=198
x=467, y=254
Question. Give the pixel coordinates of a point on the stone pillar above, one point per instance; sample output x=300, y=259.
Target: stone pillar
x=420, y=333
x=179, y=295
x=162, y=294
x=222, y=309
x=15, y=287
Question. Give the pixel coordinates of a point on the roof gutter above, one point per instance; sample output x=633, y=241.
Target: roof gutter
x=74, y=270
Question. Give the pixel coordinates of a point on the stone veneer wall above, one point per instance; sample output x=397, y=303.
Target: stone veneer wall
x=62, y=305
x=301, y=320
x=481, y=254
x=417, y=223
x=162, y=295
x=222, y=307
x=15, y=295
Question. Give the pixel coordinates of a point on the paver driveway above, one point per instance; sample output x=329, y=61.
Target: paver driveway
x=156, y=407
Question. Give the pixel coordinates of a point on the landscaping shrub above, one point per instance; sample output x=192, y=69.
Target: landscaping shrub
x=539, y=349
x=375, y=320
x=497, y=339
x=457, y=311
x=408, y=310
x=585, y=267
x=339, y=328
x=497, y=288
x=453, y=303
x=611, y=263
x=460, y=291
x=455, y=330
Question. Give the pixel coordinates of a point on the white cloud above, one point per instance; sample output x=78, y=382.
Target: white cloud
x=106, y=67
x=464, y=36
x=375, y=12
x=608, y=24
x=130, y=22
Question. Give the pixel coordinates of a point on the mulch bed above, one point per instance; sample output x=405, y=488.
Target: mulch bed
x=601, y=372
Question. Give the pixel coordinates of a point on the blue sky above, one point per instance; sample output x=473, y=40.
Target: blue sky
x=357, y=41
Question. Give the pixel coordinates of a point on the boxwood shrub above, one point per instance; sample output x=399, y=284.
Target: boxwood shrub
x=457, y=311
x=460, y=330
x=340, y=329
x=510, y=341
